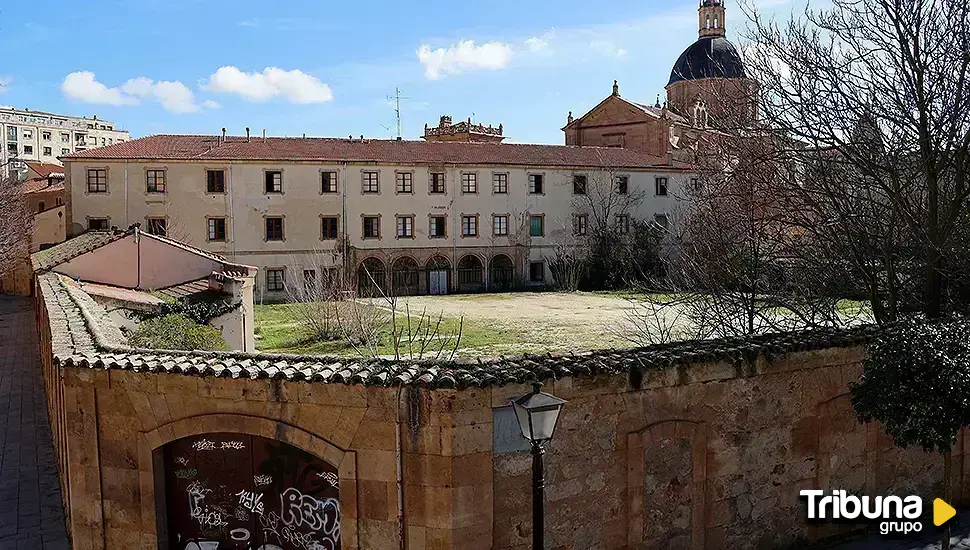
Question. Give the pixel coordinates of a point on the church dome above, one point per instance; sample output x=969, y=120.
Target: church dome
x=709, y=57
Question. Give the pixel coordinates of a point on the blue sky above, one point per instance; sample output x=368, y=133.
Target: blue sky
x=326, y=68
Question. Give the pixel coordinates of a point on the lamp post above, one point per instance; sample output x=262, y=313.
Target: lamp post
x=538, y=414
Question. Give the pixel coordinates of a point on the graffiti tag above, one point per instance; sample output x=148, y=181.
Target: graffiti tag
x=207, y=445
x=262, y=480
x=251, y=501
x=186, y=473
x=330, y=477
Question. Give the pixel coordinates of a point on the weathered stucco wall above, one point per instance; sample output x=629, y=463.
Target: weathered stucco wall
x=708, y=455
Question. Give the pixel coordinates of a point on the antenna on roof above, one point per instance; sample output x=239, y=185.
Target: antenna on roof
x=397, y=108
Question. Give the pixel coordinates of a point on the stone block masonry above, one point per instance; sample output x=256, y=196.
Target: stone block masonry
x=697, y=445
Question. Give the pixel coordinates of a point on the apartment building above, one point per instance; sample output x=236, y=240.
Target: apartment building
x=38, y=136
x=413, y=217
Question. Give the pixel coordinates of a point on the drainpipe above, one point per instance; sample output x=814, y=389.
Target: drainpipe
x=127, y=223
x=232, y=220
x=138, y=256
x=456, y=227
x=345, y=276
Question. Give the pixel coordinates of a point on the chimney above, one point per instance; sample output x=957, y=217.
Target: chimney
x=247, y=134
x=304, y=135
x=264, y=135
x=223, y=136
x=399, y=139
x=362, y=137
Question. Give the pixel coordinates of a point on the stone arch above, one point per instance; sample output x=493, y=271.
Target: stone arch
x=405, y=275
x=667, y=469
x=471, y=273
x=371, y=277
x=501, y=272
x=438, y=273
x=150, y=459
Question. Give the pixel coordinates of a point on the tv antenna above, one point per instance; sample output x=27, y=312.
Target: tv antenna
x=397, y=107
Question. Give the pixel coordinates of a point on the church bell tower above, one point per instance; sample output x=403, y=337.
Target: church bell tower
x=711, y=15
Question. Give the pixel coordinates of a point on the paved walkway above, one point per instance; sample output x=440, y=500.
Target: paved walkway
x=30, y=500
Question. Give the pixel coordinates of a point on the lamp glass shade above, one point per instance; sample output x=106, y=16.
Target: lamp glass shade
x=537, y=414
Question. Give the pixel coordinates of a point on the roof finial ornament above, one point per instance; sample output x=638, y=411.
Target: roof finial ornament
x=616, y=89
x=569, y=118
x=657, y=104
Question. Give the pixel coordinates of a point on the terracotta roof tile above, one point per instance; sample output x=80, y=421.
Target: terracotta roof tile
x=72, y=248
x=195, y=147
x=84, y=337
x=44, y=169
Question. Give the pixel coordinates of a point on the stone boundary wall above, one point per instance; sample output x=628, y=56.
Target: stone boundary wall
x=704, y=455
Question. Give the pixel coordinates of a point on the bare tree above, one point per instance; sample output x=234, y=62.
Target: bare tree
x=318, y=297
x=877, y=92
x=16, y=225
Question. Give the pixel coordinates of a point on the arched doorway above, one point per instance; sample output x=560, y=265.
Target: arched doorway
x=471, y=274
x=439, y=275
x=371, y=275
x=404, y=276
x=501, y=273
x=238, y=491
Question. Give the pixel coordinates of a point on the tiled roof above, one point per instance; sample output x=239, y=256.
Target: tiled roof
x=186, y=290
x=38, y=185
x=44, y=169
x=191, y=147
x=116, y=293
x=84, y=337
x=72, y=248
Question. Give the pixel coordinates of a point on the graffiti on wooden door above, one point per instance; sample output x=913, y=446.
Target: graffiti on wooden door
x=242, y=492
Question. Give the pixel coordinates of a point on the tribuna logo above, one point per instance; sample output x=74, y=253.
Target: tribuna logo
x=894, y=514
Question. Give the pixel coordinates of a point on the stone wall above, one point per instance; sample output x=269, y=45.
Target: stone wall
x=706, y=455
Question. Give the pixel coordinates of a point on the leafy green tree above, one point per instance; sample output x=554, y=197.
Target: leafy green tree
x=176, y=332
x=916, y=383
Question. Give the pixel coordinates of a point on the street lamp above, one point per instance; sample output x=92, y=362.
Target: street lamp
x=538, y=414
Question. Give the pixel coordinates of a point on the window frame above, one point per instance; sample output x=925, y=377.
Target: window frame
x=657, y=186
x=210, y=190
x=403, y=182
x=406, y=218
x=469, y=217
x=541, y=188
x=622, y=224
x=542, y=224
x=281, y=279
x=266, y=235
x=106, y=220
x=48, y=151
x=333, y=179
x=149, y=173
x=666, y=220
x=336, y=228
x=266, y=175
x=497, y=217
x=580, y=184
x=469, y=183
x=209, y=229
x=431, y=182
x=580, y=225
x=500, y=187
x=365, y=182
x=150, y=220
x=444, y=226
x=363, y=227
x=97, y=190
x=542, y=270
x=625, y=188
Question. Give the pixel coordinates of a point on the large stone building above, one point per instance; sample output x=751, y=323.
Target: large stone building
x=420, y=216
x=39, y=136
x=707, y=88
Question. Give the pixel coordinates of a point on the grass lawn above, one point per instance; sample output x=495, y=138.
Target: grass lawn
x=492, y=324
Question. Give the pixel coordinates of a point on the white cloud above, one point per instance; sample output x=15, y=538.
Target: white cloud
x=536, y=44
x=173, y=96
x=463, y=56
x=82, y=86
x=294, y=86
x=209, y=104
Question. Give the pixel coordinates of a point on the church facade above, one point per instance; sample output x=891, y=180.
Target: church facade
x=708, y=88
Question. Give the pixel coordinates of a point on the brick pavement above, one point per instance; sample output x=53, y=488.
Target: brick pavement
x=30, y=501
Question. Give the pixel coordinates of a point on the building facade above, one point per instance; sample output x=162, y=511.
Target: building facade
x=411, y=217
x=708, y=88
x=39, y=136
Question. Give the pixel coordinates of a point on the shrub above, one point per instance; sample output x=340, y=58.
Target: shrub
x=176, y=332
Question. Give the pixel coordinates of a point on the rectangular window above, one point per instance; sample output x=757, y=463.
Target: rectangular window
x=500, y=225
x=98, y=180
x=537, y=226
x=579, y=184
x=12, y=133
x=157, y=226
x=372, y=182
x=405, y=227
x=661, y=220
x=438, y=227
x=98, y=224
x=275, y=280
x=65, y=151
x=580, y=224
x=328, y=228
x=48, y=152
x=537, y=272
x=469, y=182
x=372, y=227
x=217, y=229
x=694, y=184
x=309, y=281
x=405, y=182
x=46, y=136
x=661, y=187
x=622, y=185
x=65, y=138
x=437, y=183
x=12, y=149
x=622, y=224
x=469, y=226
x=328, y=182
x=28, y=134
x=28, y=149
x=274, y=228
x=155, y=181
x=535, y=184
x=500, y=184
x=274, y=181
x=215, y=181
